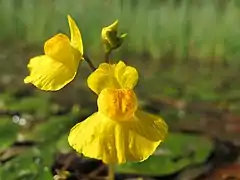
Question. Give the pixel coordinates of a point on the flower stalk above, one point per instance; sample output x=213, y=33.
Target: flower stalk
x=90, y=63
x=111, y=172
x=107, y=54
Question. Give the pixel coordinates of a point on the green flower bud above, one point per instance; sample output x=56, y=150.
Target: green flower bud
x=110, y=37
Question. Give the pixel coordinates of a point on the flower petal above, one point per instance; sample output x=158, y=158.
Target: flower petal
x=102, y=138
x=76, y=38
x=59, y=48
x=113, y=76
x=149, y=126
x=102, y=77
x=49, y=74
x=127, y=76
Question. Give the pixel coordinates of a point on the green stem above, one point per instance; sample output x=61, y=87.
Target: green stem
x=107, y=54
x=88, y=60
x=111, y=172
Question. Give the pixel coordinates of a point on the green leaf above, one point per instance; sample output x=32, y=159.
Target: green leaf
x=62, y=143
x=38, y=105
x=33, y=164
x=8, y=132
x=5, y=98
x=44, y=174
x=52, y=129
x=178, y=151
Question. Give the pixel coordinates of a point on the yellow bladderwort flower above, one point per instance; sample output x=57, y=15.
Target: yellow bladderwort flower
x=110, y=37
x=59, y=65
x=119, y=131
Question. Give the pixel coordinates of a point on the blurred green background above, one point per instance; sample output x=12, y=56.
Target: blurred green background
x=187, y=53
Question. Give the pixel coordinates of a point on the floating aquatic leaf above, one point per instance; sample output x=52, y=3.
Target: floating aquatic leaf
x=44, y=174
x=8, y=132
x=32, y=164
x=36, y=105
x=50, y=130
x=5, y=98
x=62, y=143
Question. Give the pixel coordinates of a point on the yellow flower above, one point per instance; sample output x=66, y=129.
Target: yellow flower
x=110, y=37
x=59, y=65
x=119, y=131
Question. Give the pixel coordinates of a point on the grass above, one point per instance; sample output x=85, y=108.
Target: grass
x=203, y=29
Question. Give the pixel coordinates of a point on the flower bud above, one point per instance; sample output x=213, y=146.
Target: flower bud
x=110, y=37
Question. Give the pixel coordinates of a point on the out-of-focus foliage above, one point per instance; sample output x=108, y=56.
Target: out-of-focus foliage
x=200, y=29
x=41, y=131
x=8, y=132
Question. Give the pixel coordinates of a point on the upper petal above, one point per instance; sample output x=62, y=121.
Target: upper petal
x=59, y=48
x=103, y=77
x=76, y=38
x=49, y=74
x=127, y=76
x=113, y=76
x=102, y=138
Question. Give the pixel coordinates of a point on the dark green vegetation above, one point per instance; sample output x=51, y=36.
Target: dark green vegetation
x=187, y=55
